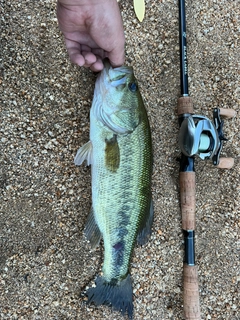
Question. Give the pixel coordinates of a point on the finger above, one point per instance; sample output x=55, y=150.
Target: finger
x=99, y=53
x=98, y=65
x=94, y=59
x=116, y=57
x=76, y=58
x=74, y=52
x=81, y=37
x=89, y=57
x=87, y=52
x=85, y=48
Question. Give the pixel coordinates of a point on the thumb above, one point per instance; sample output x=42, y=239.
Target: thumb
x=116, y=57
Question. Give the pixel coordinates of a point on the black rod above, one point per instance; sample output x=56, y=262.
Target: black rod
x=191, y=303
x=183, y=49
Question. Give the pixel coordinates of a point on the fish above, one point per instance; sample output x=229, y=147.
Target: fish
x=120, y=154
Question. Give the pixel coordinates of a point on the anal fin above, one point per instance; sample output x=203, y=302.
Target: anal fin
x=92, y=231
x=145, y=231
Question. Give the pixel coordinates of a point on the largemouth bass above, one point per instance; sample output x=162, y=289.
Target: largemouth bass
x=120, y=155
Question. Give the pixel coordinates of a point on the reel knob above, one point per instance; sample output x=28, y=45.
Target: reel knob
x=225, y=163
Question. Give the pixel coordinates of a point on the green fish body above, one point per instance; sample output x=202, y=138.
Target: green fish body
x=120, y=154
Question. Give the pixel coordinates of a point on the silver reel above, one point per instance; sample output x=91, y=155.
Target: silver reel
x=198, y=136
x=202, y=137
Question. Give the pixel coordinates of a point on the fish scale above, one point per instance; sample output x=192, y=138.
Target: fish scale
x=118, y=191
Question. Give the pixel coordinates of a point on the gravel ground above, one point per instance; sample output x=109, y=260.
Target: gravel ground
x=45, y=264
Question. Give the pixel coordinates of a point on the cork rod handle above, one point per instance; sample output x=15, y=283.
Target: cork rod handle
x=188, y=201
x=191, y=306
x=184, y=106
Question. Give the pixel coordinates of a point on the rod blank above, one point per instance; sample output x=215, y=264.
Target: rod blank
x=183, y=49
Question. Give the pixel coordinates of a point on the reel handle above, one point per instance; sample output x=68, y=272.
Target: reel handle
x=227, y=113
x=225, y=163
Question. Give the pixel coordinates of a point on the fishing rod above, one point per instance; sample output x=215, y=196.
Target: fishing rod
x=197, y=136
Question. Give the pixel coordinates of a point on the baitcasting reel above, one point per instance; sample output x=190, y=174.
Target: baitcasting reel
x=199, y=136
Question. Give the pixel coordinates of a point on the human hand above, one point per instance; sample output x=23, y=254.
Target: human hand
x=93, y=30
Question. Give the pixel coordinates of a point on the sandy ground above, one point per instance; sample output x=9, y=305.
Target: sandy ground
x=45, y=264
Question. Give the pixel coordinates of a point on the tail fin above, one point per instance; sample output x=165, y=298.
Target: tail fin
x=117, y=295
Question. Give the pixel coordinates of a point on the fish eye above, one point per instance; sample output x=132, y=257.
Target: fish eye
x=132, y=87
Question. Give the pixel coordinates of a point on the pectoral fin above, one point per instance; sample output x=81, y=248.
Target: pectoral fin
x=92, y=231
x=84, y=153
x=145, y=230
x=112, y=154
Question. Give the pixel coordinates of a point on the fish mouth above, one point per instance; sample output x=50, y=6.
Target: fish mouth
x=116, y=76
